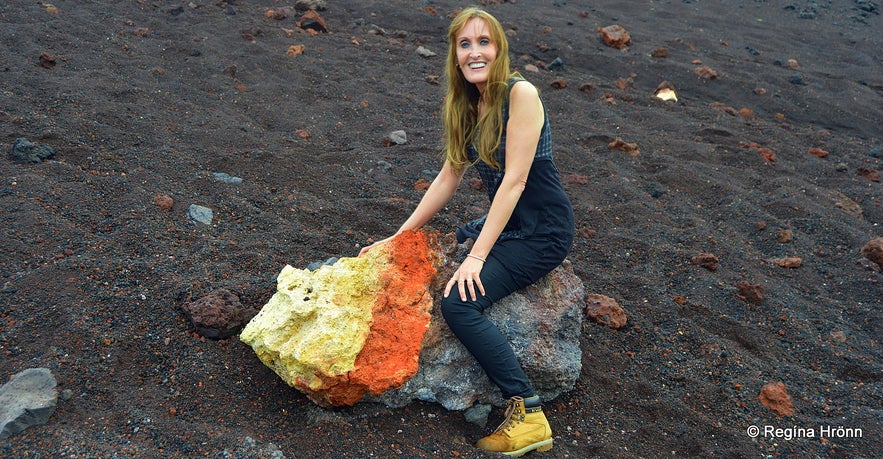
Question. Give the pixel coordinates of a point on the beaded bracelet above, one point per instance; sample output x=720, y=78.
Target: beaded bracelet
x=477, y=258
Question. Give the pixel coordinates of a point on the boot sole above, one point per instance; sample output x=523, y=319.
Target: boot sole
x=539, y=446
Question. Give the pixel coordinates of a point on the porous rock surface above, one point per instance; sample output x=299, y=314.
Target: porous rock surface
x=370, y=329
x=352, y=327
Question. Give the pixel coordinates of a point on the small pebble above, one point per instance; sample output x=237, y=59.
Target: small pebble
x=226, y=178
x=200, y=214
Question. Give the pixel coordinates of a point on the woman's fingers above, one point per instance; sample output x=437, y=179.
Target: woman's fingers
x=451, y=283
x=474, y=286
x=479, y=285
x=466, y=287
x=467, y=279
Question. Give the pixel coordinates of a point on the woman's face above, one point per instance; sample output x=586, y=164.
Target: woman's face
x=476, y=52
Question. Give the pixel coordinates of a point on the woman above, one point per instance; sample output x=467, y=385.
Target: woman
x=495, y=121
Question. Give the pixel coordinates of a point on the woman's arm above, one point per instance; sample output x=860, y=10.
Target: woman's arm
x=526, y=117
x=436, y=197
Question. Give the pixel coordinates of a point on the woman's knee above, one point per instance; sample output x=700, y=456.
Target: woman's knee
x=454, y=310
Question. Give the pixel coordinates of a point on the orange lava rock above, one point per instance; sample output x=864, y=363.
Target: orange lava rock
x=163, y=201
x=818, y=152
x=785, y=235
x=619, y=144
x=380, y=301
x=47, y=61
x=870, y=174
x=873, y=251
x=279, y=13
x=775, y=397
x=750, y=293
x=311, y=20
x=559, y=83
x=615, y=36
x=706, y=260
x=422, y=184
x=587, y=87
x=706, y=72
x=767, y=154
x=787, y=262
x=390, y=355
x=659, y=52
x=605, y=311
x=746, y=113
x=295, y=50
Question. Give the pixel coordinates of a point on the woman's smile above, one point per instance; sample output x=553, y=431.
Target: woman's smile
x=476, y=51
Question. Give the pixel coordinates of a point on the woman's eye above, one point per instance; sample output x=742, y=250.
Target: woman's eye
x=485, y=42
x=464, y=44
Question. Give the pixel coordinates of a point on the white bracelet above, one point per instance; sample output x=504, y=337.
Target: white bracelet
x=477, y=258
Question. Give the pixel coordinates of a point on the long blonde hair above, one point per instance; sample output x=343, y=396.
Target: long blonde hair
x=460, y=110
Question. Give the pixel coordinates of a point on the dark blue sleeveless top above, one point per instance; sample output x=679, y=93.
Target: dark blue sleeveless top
x=543, y=211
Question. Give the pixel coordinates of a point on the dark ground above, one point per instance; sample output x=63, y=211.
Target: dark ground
x=149, y=97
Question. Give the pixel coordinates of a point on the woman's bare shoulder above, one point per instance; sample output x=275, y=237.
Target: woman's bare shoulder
x=524, y=91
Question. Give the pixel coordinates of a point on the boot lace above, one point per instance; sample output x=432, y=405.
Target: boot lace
x=513, y=414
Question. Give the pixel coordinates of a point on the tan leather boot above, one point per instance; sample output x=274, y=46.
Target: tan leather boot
x=525, y=429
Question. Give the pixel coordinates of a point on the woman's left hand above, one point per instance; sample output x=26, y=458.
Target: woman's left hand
x=467, y=279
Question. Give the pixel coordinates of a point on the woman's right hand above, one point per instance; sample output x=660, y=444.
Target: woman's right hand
x=367, y=248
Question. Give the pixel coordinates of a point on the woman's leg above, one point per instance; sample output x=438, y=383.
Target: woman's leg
x=481, y=337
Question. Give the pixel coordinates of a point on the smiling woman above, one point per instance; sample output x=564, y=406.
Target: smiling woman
x=475, y=37
x=475, y=52
x=495, y=121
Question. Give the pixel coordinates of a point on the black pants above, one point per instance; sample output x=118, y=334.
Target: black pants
x=511, y=265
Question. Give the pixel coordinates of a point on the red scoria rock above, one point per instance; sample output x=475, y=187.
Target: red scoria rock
x=605, y=311
x=775, y=397
x=873, y=251
x=218, y=315
x=615, y=36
